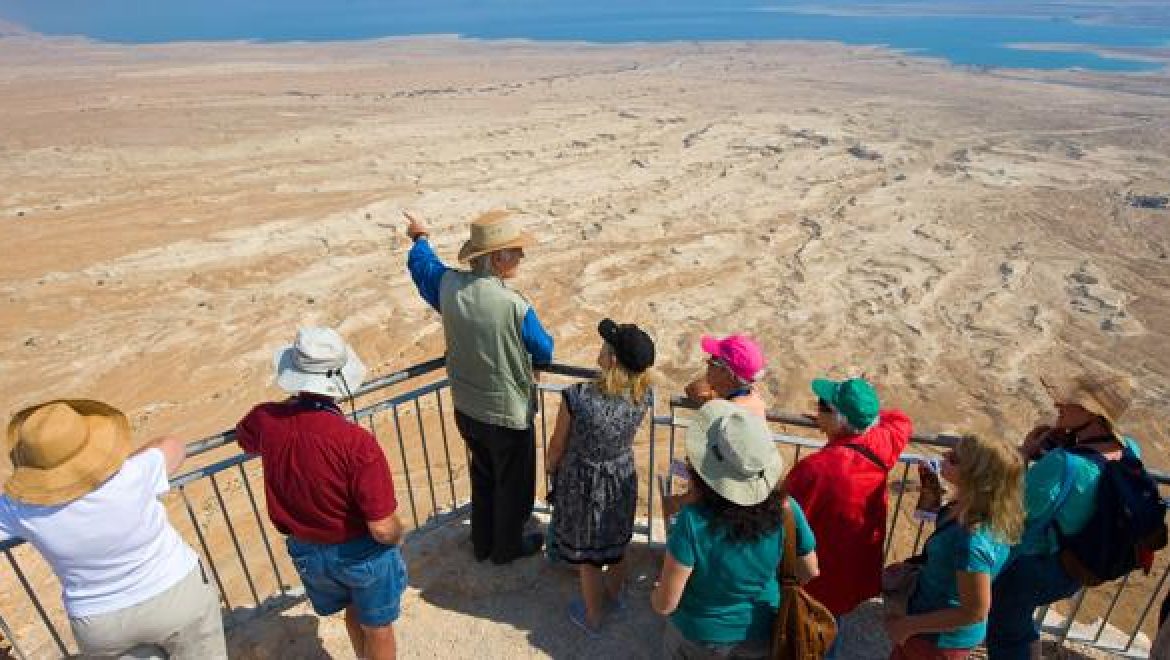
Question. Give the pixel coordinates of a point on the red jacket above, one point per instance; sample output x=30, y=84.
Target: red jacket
x=844, y=496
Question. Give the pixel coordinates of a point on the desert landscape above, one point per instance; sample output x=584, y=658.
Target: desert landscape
x=174, y=212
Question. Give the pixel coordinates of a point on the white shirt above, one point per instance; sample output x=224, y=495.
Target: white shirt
x=111, y=548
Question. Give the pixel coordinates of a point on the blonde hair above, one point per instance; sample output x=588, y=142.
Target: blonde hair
x=617, y=381
x=991, y=486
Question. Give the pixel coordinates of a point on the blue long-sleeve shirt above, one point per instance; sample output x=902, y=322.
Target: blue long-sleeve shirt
x=427, y=270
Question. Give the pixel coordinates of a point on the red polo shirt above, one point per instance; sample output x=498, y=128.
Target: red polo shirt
x=324, y=476
x=844, y=497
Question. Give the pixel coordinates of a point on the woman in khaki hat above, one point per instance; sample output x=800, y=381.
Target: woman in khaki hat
x=90, y=506
x=718, y=583
x=1088, y=409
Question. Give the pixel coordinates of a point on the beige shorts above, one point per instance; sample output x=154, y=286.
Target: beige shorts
x=182, y=622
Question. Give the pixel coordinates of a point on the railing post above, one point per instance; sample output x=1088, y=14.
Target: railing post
x=422, y=439
x=263, y=532
x=32, y=596
x=650, y=481
x=1078, y=600
x=405, y=463
x=227, y=518
x=6, y=634
x=203, y=544
x=447, y=449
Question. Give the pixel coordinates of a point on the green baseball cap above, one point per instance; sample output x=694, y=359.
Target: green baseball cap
x=855, y=399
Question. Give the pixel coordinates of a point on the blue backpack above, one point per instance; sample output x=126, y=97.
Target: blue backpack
x=1127, y=527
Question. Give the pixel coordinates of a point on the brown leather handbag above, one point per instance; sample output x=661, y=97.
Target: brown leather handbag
x=804, y=629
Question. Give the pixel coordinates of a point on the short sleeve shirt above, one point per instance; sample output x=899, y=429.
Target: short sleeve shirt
x=953, y=549
x=111, y=548
x=325, y=478
x=1042, y=488
x=732, y=592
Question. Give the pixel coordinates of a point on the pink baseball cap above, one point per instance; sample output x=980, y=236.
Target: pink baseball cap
x=741, y=354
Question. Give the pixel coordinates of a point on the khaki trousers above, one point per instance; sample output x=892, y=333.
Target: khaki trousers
x=182, y=622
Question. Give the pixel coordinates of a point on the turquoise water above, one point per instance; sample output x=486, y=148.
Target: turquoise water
x=972, y=41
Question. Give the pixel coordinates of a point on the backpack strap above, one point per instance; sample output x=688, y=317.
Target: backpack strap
x=868, y=453
x=1066, y=484
x=787, y=573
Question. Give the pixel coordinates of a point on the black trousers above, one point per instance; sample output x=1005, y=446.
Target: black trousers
x=503, y=484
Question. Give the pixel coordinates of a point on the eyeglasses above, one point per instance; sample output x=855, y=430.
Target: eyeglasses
x=823, y=406
x=718, y=363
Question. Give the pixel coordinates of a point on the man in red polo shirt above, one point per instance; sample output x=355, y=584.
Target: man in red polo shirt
x=842, y=490
x=329, y=490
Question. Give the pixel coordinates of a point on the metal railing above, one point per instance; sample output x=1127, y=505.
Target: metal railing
x=412, y=418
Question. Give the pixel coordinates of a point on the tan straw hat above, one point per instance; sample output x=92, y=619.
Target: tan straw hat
x=733, y=452
x=64, y=449
x=1108, y=396
x=492, y=231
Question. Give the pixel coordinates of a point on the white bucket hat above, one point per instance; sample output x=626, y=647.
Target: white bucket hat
x=733, y=452
x=319, y=361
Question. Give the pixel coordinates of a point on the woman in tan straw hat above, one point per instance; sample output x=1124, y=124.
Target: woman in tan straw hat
x=89, y=504
x=1060, y=492
x=493, y=340
x=718, y=583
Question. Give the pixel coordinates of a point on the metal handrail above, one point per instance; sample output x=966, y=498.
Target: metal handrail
x=428, y=513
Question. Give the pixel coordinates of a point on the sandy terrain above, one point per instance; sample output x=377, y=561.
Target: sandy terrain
x=172, y=213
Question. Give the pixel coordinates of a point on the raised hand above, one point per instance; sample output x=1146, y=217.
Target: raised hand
x=416, y=228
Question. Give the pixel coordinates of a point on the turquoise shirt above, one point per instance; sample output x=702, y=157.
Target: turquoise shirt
x=732, y=593
x=1042, y=488
x=951, y=549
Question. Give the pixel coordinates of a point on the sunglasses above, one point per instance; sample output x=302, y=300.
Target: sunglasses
x=823, y=406
x=718, y=363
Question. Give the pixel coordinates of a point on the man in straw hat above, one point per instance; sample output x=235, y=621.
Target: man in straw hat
x=493, y=340
x=89, y=504
x=842, y=487
x=1088, y=409
x=329, y=490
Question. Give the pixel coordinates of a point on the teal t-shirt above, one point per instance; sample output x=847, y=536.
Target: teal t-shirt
x=951, y=549
x=1042, y=488
x=732, y=593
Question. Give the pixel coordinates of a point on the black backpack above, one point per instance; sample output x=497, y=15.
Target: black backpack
x=1127, y=528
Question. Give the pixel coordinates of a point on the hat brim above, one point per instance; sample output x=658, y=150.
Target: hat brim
x=101, y=457
x=715, y=473
x=710, y=346
x=293, y=380
x=1069, y=391
x=826, y=389
x=470, y=251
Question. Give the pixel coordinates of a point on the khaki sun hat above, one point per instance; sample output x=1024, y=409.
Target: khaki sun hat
x=733, y=452
x=64, y=449
x=1106, y=396
x=492, y=231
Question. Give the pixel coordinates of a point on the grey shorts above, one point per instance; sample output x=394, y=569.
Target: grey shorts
x=182, y=622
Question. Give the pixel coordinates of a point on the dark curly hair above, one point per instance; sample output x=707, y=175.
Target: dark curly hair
x=742, y=524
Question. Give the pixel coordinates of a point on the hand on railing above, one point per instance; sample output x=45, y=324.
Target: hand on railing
x=700, y=391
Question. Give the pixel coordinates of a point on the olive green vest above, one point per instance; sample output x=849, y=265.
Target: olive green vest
x=489, y=368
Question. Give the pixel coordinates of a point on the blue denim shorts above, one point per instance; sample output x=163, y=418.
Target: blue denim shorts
x=362, y=572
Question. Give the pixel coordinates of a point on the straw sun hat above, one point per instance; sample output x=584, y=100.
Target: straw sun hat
x=492, y=231
x=733, y=452
x=64, y=449
x=1105, y=396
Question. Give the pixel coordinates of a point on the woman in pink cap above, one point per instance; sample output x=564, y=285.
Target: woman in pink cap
x=734, y=364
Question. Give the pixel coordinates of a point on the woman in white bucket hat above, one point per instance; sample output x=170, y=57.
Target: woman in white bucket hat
x=718, y=582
